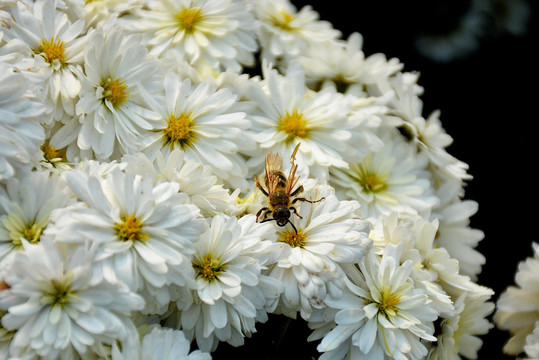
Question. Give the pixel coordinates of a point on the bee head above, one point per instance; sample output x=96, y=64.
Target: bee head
x=281, y=216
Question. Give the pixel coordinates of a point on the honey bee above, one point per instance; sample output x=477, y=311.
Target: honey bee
x=280, y=190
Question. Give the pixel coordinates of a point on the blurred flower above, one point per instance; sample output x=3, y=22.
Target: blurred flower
x=21, y=134
x=26, y=206
x=517, y=307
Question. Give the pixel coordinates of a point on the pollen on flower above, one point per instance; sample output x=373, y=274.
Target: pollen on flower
x=292, y=238
x=188, y=18
x=50, y=153
x=114, y=90
x=294, y=125
x=179, y=130
x=53, y=50
x=388, y=302
x=130, y=229
x=208, y=268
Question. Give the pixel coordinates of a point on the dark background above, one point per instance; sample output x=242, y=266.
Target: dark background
x=487, y=105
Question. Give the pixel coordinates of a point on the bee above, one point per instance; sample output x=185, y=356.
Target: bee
x=280, y=190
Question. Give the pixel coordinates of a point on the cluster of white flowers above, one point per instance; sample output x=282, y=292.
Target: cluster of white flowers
x=131, y=133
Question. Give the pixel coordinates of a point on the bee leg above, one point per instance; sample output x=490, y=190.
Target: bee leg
x=266, y=212
x=295, y=211
x=299, y=190
x=309, y=201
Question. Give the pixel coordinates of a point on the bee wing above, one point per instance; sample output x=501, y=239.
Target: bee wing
x=292, y=179
x=273, y=166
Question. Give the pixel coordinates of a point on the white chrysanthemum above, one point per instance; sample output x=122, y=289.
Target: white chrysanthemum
x=95, y=13
x=160, y=343
x=428, y=134
x=392, y=179
x=219, y=34
x=288, y=113
x=460, y=332
x=454, y=232
x=383, y=314
x=285, y=33
x=195, y=179
x=57, y=308
x=145, y=232
x=118, y=84
x=46, y=43
x=205, y=123
x=21, y=134
x=328, y=235
x=517, y=307
x=342, y=65
x=532, y=343
x=230, y=292
x=25, y=208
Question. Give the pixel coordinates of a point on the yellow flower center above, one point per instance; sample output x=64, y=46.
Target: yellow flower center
x=179, y=130
x=18, y=228
x=282, y=20
x=59, y=292
x=33, y=232
x=50, y=152
x=130, y=229
x=295, y=125
x=388, y=302
x=371, y=181
x=208, y=268
x=292, y=238
x=53, y=50
x=188, y=18
x=114, y=90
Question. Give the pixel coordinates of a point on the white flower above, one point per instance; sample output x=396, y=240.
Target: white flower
x=219, y=34
x=206, y=124
x=342, y=65
x=145, y=233
x=392, y=179
x=383, y=314
x=428, y=134
x=454, y=232
x=95, y=13
x=118, y=84
x=289, y=113
x=25, y=208
x=285, y=33
x=58, y=309
x=532, y=343
x=195, y=179
x=328, y=235
x=517, y=307
x=230, y=292
x=160, y=343
x=21, y=134
x=52, y=47
x=460, y=332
